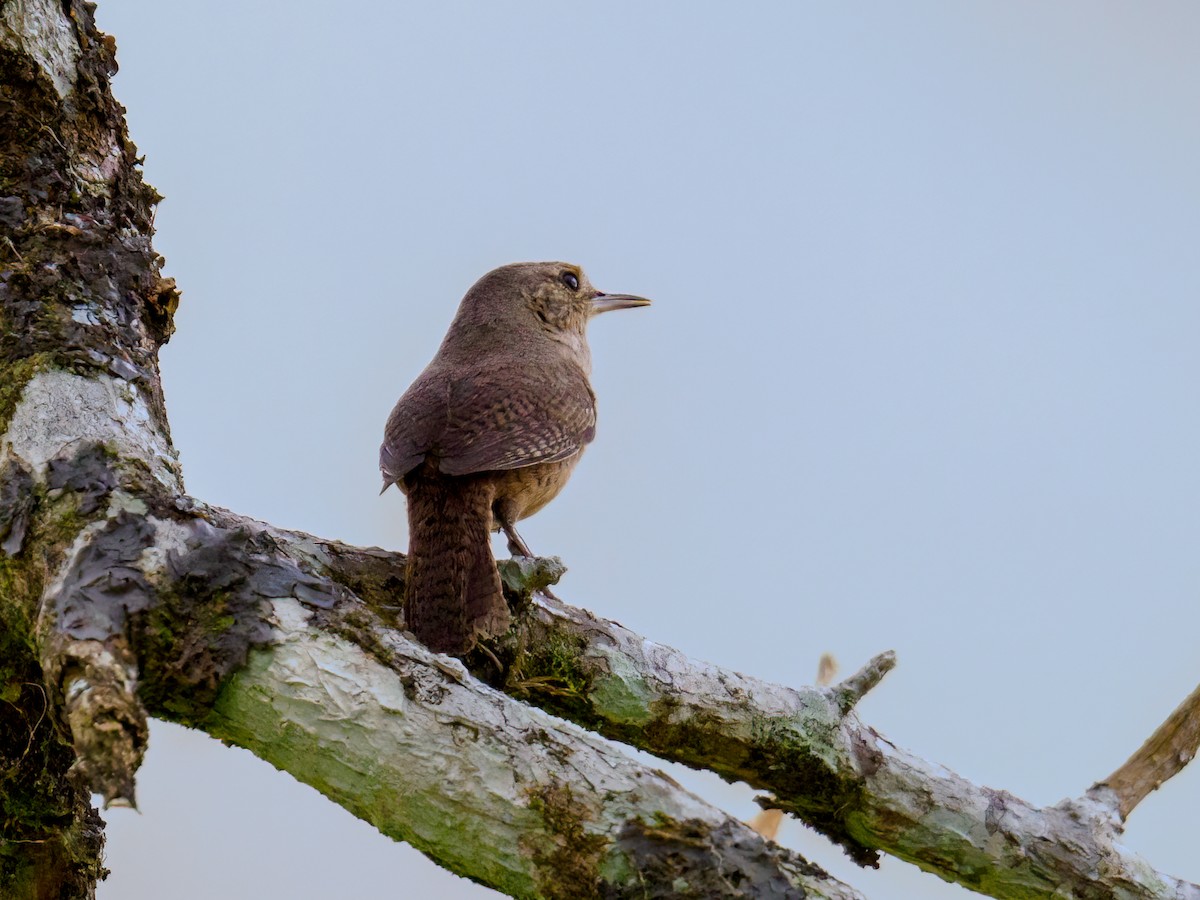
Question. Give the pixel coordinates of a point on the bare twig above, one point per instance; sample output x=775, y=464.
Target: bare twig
x=851, y=690
x=1165, y=753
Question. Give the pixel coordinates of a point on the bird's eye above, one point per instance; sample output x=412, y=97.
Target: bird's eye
x=570, y=280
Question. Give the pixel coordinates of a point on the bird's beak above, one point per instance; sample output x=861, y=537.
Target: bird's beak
x=603, y=302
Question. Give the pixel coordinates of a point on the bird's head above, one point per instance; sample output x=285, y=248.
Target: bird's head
x=557, y=295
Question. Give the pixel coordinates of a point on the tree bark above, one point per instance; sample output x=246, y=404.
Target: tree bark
x=79, y=290
x=122, y=597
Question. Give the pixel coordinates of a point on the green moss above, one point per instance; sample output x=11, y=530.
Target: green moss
x=16, y=375
x=810, y=733
x=61, y=523
x=554, y=668
x=566, y=857
x=798, y=750
x=615, y=868
x=170, y=635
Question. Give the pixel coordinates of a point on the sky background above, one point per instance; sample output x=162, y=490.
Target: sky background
x=921, y=371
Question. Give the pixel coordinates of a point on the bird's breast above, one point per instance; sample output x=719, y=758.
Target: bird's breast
x=529, y=488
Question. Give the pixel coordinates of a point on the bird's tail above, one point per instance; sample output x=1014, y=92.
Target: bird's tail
x=453, y=589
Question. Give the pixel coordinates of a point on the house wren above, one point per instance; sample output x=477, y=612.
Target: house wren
x=487, y=435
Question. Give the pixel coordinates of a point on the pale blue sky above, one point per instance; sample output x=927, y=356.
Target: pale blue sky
x=921, y=371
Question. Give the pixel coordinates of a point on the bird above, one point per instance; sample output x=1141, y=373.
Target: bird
x=487, y=435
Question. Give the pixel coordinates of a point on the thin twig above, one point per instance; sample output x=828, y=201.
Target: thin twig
x=851, y=690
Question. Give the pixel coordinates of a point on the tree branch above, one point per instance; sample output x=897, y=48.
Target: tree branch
x=489, y=788
x=238, y=634
x=1164, y=755
x=849, y=692
x=823, y=765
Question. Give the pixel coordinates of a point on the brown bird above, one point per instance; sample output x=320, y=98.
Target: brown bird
x=487, y=435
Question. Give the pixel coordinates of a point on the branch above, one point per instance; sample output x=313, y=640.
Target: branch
x=823, y=765
x=489, y=788
x=1164, y=755
x=238, y=635
x=847, y=694
x=842, y=777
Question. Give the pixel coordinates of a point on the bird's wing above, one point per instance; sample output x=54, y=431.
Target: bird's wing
x=414, y=427
x=510, y=417
x=489, y=417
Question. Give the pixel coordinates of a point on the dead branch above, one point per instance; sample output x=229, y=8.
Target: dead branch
x=1164, y=755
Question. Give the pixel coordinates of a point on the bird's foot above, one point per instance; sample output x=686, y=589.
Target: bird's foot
x=516, y=544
